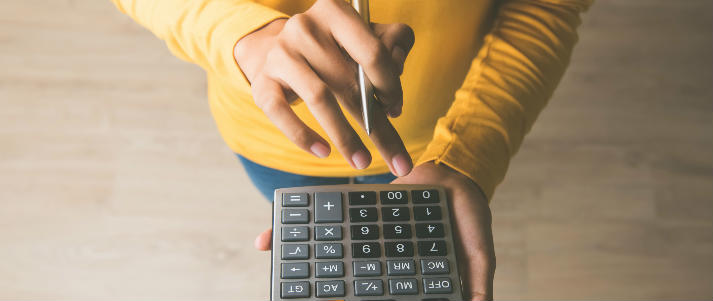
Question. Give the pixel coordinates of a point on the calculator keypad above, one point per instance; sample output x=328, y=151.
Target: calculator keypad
x=370, y=241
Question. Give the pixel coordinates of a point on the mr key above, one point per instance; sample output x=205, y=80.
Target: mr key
x=363, y=242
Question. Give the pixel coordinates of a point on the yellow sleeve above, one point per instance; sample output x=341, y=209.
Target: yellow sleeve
x=508, y=84
x=203, y=32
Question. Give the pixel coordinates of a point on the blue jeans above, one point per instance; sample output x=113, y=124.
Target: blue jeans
x=267, y=179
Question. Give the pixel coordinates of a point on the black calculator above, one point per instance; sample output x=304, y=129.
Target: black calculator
x=363, y=242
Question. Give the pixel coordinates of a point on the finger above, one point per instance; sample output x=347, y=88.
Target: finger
x=387, y=140
x=398, y=39
x=362, y=45
x=323, y=105
x=269, y=96
x=263, y=241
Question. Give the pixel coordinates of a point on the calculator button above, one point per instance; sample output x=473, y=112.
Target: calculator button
x=358, y=215
x=330, y=269
x=435, y=266
x=328, y=251
x=368, y=287
x=295, y=200
x=294, y=270
x=362, y=198
x=394, y=214
x=300, y=233
x=399, y=249
x=329, y=288
x=432, y=248
x=437, y=285
x=397, y=231
x=363, y=232
x=427, y=213
x=393, y=197
x=424, y=196
x=367, y=268
x=404, y=286
x=328, y=207
x=295, y=251
x=400, y=267
x=328, y=233
x=366, y=250
x=291, y=290
x=295, y=216
x=429, y=230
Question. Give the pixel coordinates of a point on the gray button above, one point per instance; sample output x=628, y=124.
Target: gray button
x=328, y=251
x=329, y=269
x=295, y=290
x=295, y=200
x=295, y=270
x=435, y=266
x=437, y=285
x=295, y=251
x=367, y=268
x=295, y=216
x=300, y=233
x=328, y=233
x=405, y=286
x=400, y=267
x=328, y=207
x=368, y=287
x=329, y=288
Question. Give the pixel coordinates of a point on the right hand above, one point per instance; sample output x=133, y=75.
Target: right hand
x=314, y=56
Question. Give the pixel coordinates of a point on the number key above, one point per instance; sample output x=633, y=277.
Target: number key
x=400, y=231
x=399, y=249
x=425, y=196
x=363, y=232
x=393, y=197
x=392, y=214
x=432, y=248
x=430, y=230
x=427, y=213
x=366, y=250
x=358, y=215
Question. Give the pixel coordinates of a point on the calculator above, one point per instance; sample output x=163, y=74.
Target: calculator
x=363, y=242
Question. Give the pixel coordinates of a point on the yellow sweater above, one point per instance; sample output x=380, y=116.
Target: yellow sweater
x=477, y=77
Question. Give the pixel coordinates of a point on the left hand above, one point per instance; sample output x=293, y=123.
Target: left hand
x=474, y=235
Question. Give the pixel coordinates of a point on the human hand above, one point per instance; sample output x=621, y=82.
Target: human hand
x=313, y=56
x=472, y=217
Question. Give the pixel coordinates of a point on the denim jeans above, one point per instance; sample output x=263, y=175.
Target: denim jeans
x=268, y=179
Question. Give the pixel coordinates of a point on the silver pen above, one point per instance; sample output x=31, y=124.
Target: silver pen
x=365, y=86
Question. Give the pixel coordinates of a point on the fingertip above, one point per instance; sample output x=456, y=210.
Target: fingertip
x=320, y=150
x=402, y=164
x=263, y=240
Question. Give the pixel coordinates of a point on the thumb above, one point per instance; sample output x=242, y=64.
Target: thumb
x=263, y=241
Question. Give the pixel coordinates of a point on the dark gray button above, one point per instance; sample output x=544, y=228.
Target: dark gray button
x=437, y=285
x=329, y=269
x=295, y=251
x=294, y=290
x=328, y=251
x=295, y=216
x=328, y=207
x=294, y=270
x=300, y=233
x=405, y=286
x=367, y=268
x=329, y=288
x=295, y=200
x=368, y=287
x=328, y=233
x=435, y=266
x=400, y=267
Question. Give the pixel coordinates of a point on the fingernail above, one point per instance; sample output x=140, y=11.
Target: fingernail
x=361, y=159
x=319, y=149
x=395, y=112
x=402, y=164
x=399, y=56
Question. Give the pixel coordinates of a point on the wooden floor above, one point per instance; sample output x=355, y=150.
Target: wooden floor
x=114, y=183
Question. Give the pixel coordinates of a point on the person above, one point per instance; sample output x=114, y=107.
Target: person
x=282, y=89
